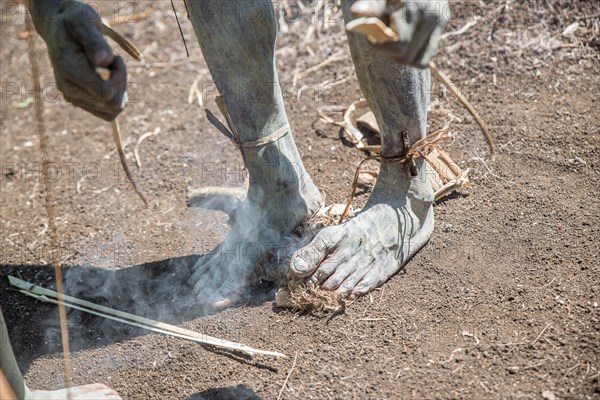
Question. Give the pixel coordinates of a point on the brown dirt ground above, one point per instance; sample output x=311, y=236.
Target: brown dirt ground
x=502, y=303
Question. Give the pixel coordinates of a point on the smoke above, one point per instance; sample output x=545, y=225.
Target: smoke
x=252, y=256
x=245, y=257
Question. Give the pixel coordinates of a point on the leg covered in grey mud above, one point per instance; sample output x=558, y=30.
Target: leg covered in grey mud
x=361, y=254
x=237, y=38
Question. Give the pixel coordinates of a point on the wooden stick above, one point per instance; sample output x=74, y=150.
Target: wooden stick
x=179, y=26
x=50, y=296
x=55, y=257
x=541, y=333
x=104, y=74
x=287, y=378
x=125, y=44
x=117, y=137
x=440, y=76
x=136, y=149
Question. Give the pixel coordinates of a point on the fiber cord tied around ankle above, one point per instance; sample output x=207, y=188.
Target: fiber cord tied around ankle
x=420, y=149
x=232, y=134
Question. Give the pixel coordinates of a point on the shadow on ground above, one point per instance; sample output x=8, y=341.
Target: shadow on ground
x=239, y=392
x=156, y=290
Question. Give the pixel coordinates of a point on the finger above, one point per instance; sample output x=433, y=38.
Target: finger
x=75, y=68
x=420, y=40
x=368, y=8
x=227, y=295
x=86, y=27
x=423, y=59
x=113, y=89
x=404, y=22
x=79, y=98
x=306, y=260
x=90, y=102
x=204, y=283
x=323, y=272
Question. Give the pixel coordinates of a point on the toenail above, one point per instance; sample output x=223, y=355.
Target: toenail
x=300, y=265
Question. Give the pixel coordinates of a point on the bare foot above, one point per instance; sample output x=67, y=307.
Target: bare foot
x=280, y=197
x=96, y=391
x=361, y=254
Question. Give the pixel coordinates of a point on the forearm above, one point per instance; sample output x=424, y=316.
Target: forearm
x=43, y=13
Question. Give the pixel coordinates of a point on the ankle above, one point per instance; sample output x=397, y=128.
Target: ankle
x=276, y=161
x=395, y=184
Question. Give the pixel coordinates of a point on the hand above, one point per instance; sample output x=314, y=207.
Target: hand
x=73, y=34
x=418, y=24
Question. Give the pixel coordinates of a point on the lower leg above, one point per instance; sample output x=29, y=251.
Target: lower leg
x=359, y=255
x=399, y=98
x=237, y=38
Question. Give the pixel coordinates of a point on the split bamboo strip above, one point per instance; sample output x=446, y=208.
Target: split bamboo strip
x=50, y=296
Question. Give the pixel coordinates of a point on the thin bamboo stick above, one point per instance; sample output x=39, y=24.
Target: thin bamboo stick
x=50, y=296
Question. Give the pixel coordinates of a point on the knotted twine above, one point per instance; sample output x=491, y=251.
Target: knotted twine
x=420, y=149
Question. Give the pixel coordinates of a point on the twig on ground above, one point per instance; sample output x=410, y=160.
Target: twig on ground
x=534, y=366
x=481, y=160
x=192, y=91
x=321, y=112
x=132, y=17
x=498, y=19
x=381, y=296
x=372, y=319
x=331, y=85
x=588, y=16
x=371, y=302
x=571, y=370
x=203, y=193
x=541, y=333
x=549, y=283
x=136, y=150
x=317, y=67
x=508, y=143
x=287, y=378
x=462, y=30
